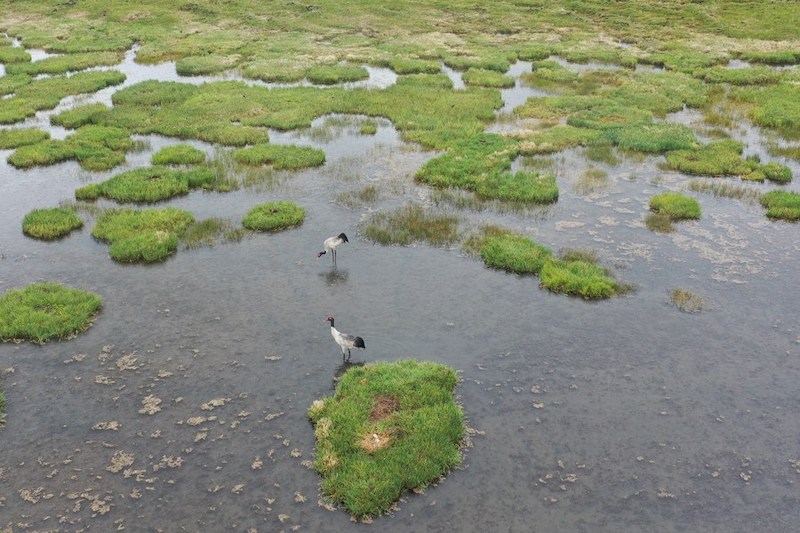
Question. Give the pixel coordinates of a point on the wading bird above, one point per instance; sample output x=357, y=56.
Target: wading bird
x=345, y=341
x=330, y=245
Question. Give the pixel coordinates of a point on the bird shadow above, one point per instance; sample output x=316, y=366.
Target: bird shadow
x=344, y=367
x=335, y=276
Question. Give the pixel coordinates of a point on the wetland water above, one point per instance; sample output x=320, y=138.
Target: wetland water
x=620, y=415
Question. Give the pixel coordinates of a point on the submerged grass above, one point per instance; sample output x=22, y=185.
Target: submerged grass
x=148, y=235
x=50, y=223
x=45, y=311
x=686, y=301
x=724, y=189
x=388, y=428
x=412, y=223
x=274, y=216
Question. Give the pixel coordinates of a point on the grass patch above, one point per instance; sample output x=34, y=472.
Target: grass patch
x=79, y=116
x=51, y=223
x=332, y=74
x=522, y=186
x=558, y=138
x=388, y=428
x=281, y=157
x=592, y=180
x=468, y=163
x=686, y=301
x=607, y=117
x=739, y=76
x=365, y=196
x=404, y=66
x=148, y=235
x=657, y=137
x=206, y=64
x=178, y=154
x=776, y=172
x=16, y=137
x=11, y=55
x=412, y=223
x=514, y=253
x=275, y=71
x=487, y=78
x=61, y=64
x=274, y=216
x=94, y=147
x=368, y=127
x=675, y=205
x=782, y=205
x=45, y=311
x=718, y=158
x=578, y=278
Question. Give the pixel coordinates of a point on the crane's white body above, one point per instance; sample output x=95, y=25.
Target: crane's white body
x=331, y=243
x=346, y=342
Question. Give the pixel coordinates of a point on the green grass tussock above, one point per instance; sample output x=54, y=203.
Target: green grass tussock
x=467, y=163
x=80, y=116
x=178, y=154
x=332, y=74
x=44, y=311
x=578, y=278
x=281, y=157
x=94, y=147
x=514, y=253
x=487, y=78
x=412, y=223
x=149, y=184
x=656, y=137
x=61, y=64
x=16, y=137
x=274, y=216
x=558, y=138
x=759, y=75
x=50, y=223
x=522, y=186
x=388, y=428
x=206, y=64
x=675, y=205
x=148, y=235
x=11, y=55
x=782, y=205
x=718, y=158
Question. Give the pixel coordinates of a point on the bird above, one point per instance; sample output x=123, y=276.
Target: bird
x=345, y=341
x=330, y=244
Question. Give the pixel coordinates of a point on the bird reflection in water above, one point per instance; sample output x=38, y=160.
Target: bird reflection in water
x=335, y=276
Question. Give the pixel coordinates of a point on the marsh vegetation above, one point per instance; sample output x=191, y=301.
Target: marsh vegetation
x=489, y=129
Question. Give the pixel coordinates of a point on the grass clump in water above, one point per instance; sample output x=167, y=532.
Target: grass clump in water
x=368, y=127
x=148, y=235
x=412, y=223
x=487, y=78
x=714, y=159
x=468, y=163
x=558, y=138
x=10, y=55
x=782, y=205
x=403, y=66
x=657, y=137
x=675, y=205
x=206, y=64
x=150, y=184
x=659, y=223
x=14, y=138
x=592, y=180
x=607, y=117
x=61, y=64
x=80, y=116
x=207, y=232
x=94, y=147
x=522, y=186
x=366, y=196
x=274, y=216
x=723, y=189
x=514, y=253
x=332, y=74
x=739, y=76
x=686, y=301
x=45, y=311
x=777, y=172
x=388, y=428
x=51, y=223
x=579, y=278
x=178, y=154
x=281, y=157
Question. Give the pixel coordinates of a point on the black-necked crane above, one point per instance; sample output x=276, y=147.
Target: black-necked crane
x=330, y=245
x=345, y=341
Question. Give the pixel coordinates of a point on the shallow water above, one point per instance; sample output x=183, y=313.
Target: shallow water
x=621, y=415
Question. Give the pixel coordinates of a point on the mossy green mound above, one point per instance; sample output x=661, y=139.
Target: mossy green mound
x=782, y=205
x=206, y=64
x=578, y=278
x=281, y=157
x=675, y=205
x=80, y=116
x=657, y=137
x=274, y=216
x=149, y=184
x=514, y=253
x=148, y=235
x=330, y=74
x=468, y=163
x=51, y=223
x=522, y=186
x=61, y=64
x=388, y=428
x=487, y=78
x=45, y=311
x=14, y=138
x=178, y=154
x=94, y=147
x=714, y=159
